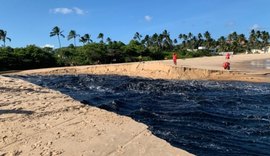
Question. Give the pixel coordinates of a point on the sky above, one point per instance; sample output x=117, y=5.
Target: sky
x=31, y=21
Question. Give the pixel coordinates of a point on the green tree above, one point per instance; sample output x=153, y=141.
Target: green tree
x=109, y=40
x=3, y=37
x=101, y=36
x=166, y=40
x=208, y=39
x=72, y=35
x=147, y=41
x=57, y=32
x=137, y=36
x=252, y=39
x=265, y=38
x=222, y=44
x=86, y=38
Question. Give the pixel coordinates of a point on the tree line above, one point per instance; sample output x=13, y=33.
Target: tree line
x=157, y=46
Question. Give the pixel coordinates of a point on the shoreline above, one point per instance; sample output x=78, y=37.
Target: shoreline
x=205, y=68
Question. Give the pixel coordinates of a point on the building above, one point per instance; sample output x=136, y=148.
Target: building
x=261, y=51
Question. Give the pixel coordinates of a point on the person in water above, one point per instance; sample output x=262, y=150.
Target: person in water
x=175, y=58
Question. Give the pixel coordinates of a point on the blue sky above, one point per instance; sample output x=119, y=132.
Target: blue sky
x=30, y=21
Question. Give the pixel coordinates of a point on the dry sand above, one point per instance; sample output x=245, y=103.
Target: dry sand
x=40, y=121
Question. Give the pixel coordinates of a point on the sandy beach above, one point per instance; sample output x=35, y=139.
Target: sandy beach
x=40, y=121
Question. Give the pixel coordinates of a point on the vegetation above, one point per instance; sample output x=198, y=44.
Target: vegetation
x=140, y=48
x=57, y=32
x=72, y=35
x=3, y=36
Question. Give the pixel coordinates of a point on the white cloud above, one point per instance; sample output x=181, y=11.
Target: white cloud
x=78, y=11
x=255, y=27
x=48, y=45
x=66, y=11
x=62, y=11
x=148, y=18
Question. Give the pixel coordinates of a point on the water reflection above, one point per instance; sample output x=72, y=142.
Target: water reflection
x=260, y=64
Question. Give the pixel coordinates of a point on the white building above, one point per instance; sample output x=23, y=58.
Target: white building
x=266, y=49
x=261, y=51
x=201, y=48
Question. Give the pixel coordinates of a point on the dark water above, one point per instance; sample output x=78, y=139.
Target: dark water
x=202, y=117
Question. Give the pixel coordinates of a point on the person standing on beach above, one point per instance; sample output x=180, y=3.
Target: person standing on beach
x=226, y=64
x=227, y=56
x=174, y=58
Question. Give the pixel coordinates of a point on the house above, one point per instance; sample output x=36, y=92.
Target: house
x=224, y=53
x=201, y=48
x=261, y=51
x=266, y=49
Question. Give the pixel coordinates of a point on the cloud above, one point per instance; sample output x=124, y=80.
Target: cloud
x=78, y=11
x=256, y=27
x=48, y=45
x=148, y=18
x=66, y=11
x=62, y=11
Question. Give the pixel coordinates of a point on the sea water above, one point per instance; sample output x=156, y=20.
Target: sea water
x=202, y=117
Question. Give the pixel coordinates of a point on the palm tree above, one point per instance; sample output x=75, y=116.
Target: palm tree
x=200, y=39
x=184, y=37
x=56, y=31
x=194, y=42
x=241, y=39
x=200, y=36
x=222, y=44
x=85, y=39
x=137, y=36
x=109, y=40
x=265, y=38
x=175, y=41
x=101, y=36
x=73, y=34
x=147, y=41
x=3, y=36
x=208, y=38
x=166, y=40
x=252, y=39
x=155, y=40
x=190, y=35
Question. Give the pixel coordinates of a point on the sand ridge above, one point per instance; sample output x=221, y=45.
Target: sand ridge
x=203, y=68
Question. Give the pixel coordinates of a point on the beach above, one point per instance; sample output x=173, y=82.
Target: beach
x=41, y=121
